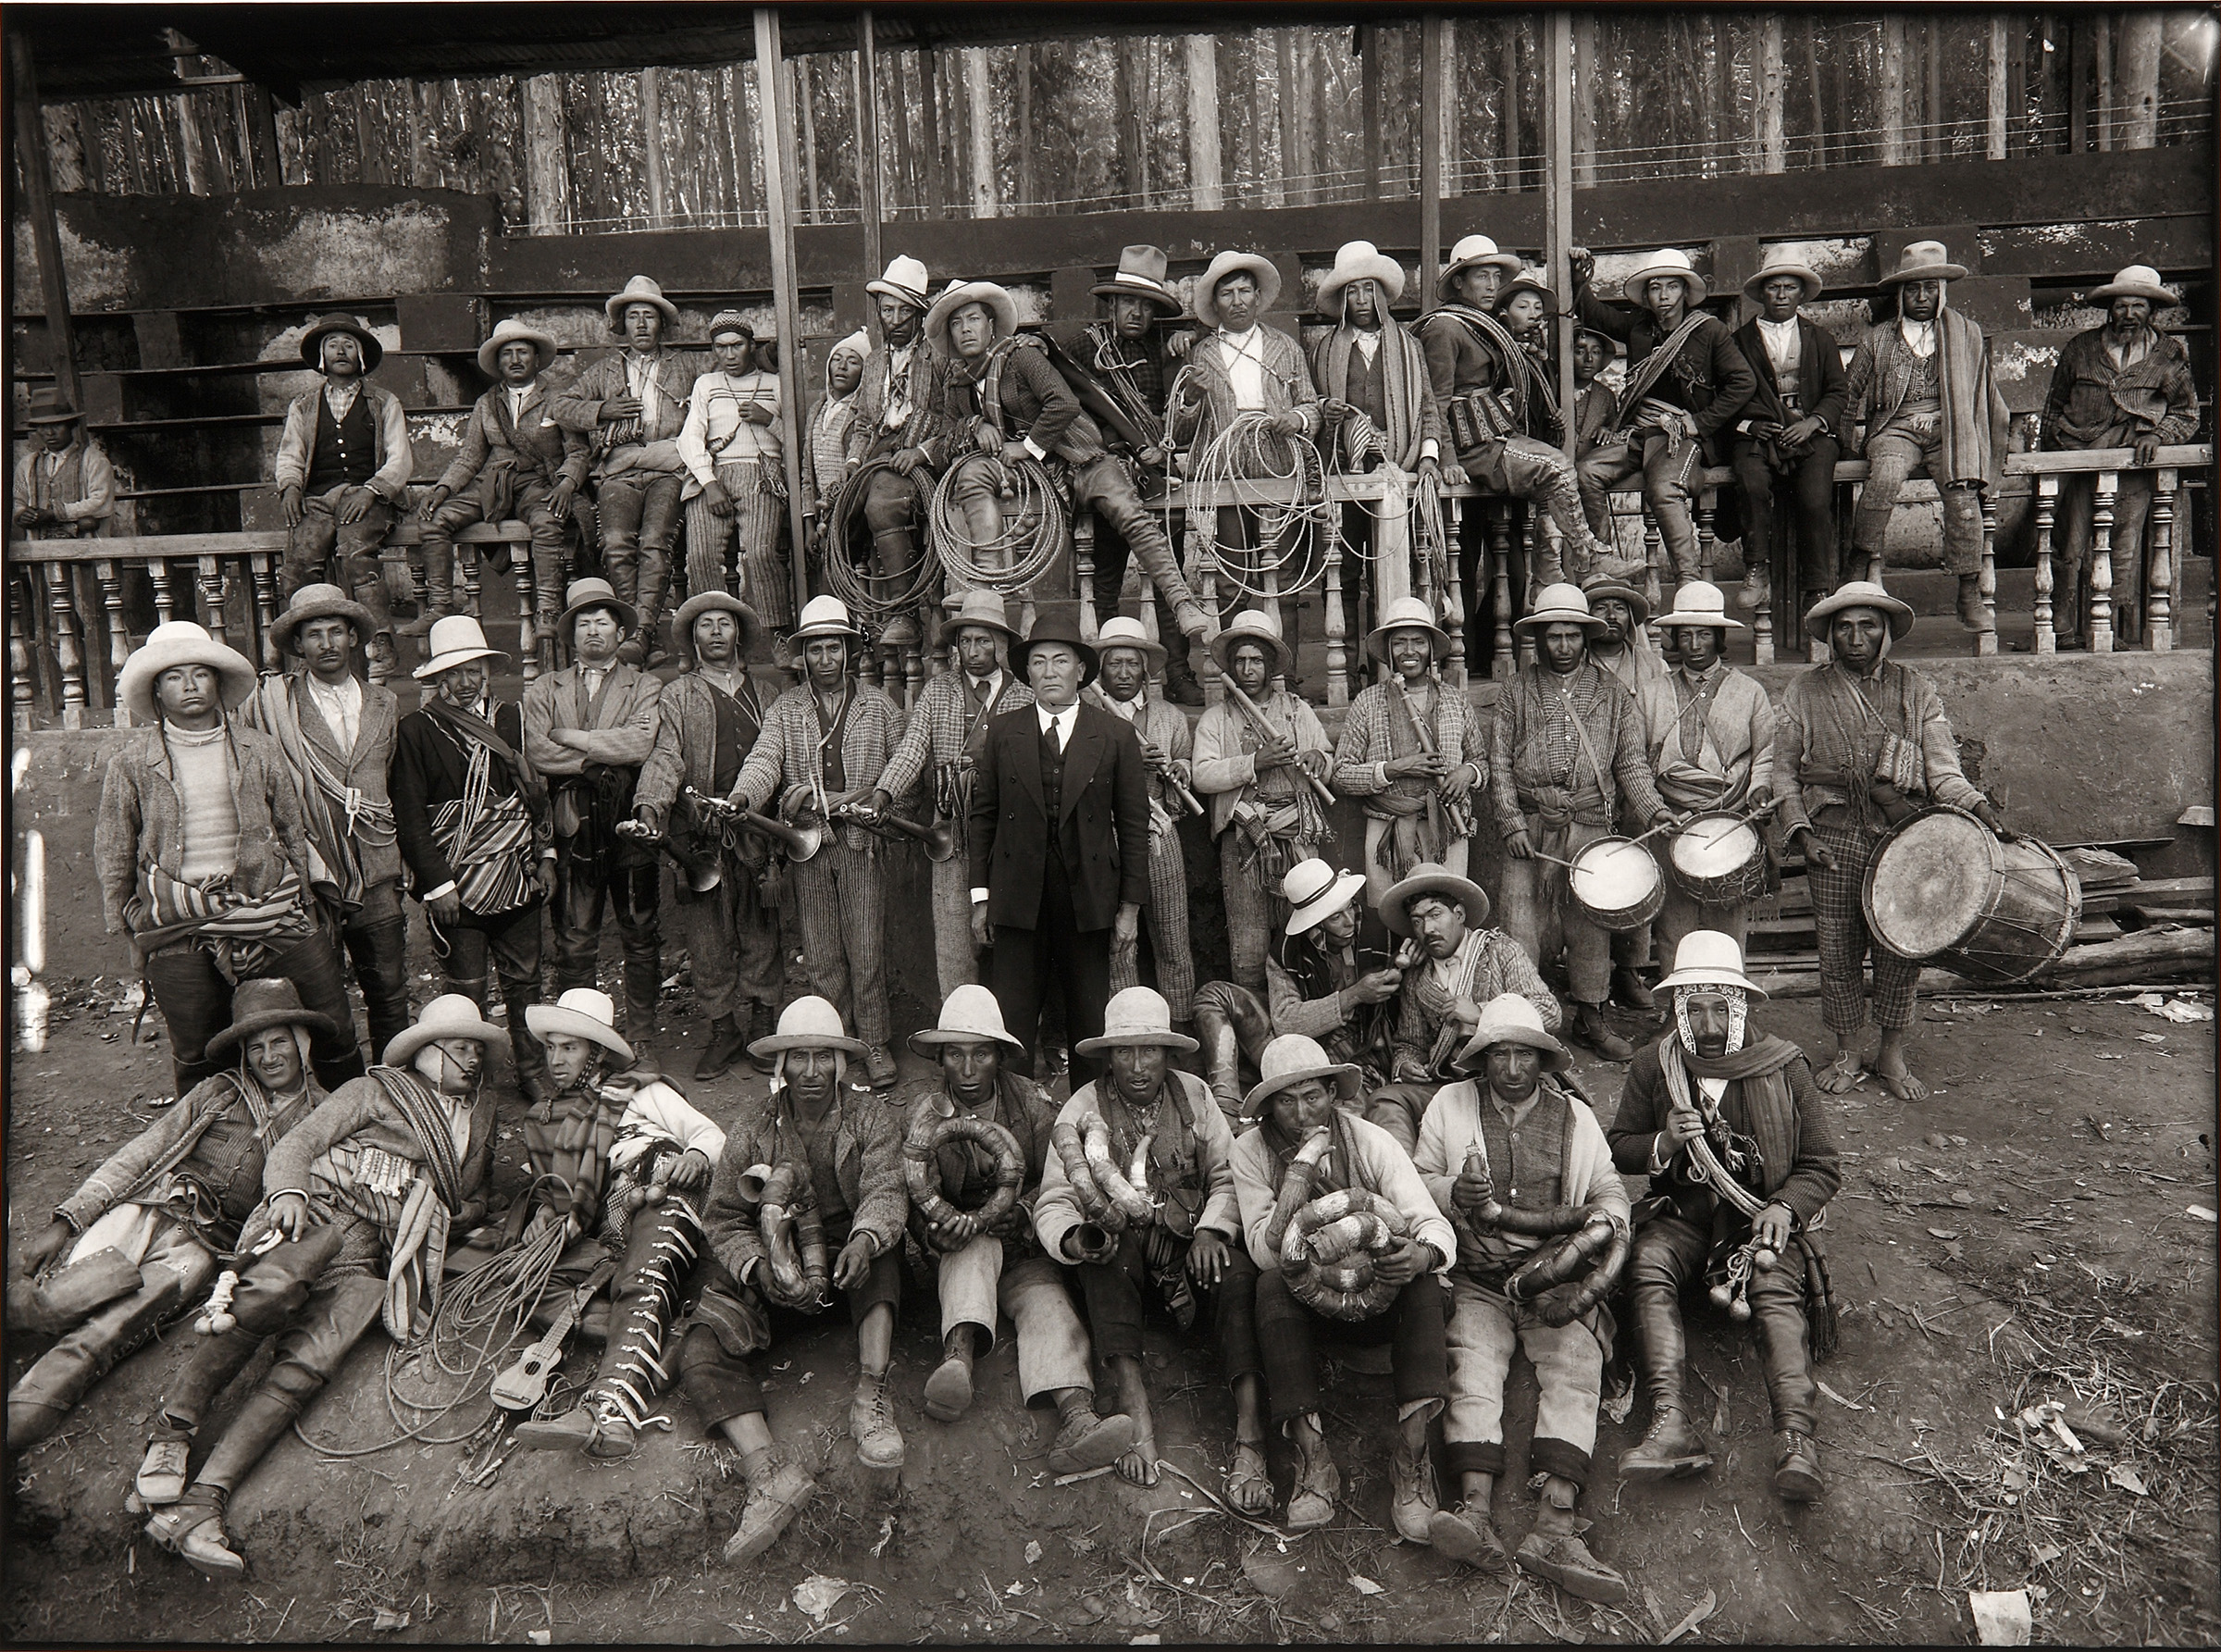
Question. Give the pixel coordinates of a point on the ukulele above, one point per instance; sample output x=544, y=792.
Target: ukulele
x=525, y=1382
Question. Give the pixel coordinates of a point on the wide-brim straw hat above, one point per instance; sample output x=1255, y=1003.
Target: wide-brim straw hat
x=582, y=1012
x=455, y=641
x=1924, y=261
x=971, y=1014
x=1141, y=274
x=1511, y=1019
x=1707, y=958
x=1781, y=265
x=904, y=281
x=1136, y=1015
x=320, y=601
x=180, y=642
x=1603, y=585
x=982, y=607
x=809, y=1022
x=1315, y=892
x=1406, y=613
x=1527, y=280
x=641, y=289
x=1666, y=261
x=2139, y=280
x=1254, y=625
x=262, y=1003
x=1358, y=261
x=510, y=331
x=582, y=594
x=1560, y=604
x=717, y=601
x=824, y=616
x=1266, y=272
x=1429, y=880
x=1001, y=307
x=1122, y=632
x=1699, y=602
x=1470, y=251
x=450, y=1015
x=1290, y=1059
x=1859, y=593
x=312, y=341
x=1056, y=629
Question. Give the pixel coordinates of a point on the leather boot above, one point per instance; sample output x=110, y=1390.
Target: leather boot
x=1675, y=1446
x=1412, y=1499
x=1590, y=1028
x=727, y=1046
x=641, y=1018
x=1630, y=988
x=438, y=587
x=948, y=1389
x=60, y=1378
x=266, y=1415
x=763, y=1022
x=773, y=1502
x=1796, y=1468
x=193, y=1529
x=871, y=1425
x=532, y=1081
x=654, y=580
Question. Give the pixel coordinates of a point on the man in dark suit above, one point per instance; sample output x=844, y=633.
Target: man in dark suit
x=1791, y=427
x=1059, y=841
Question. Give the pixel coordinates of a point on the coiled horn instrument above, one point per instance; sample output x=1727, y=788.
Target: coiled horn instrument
x=1592, y=1244
x=796, y=1271
x=1326, y=1245
x=1110, y=1201
x=928, y=1132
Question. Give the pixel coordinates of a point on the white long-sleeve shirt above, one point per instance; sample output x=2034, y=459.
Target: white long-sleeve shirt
x=1381, y=1162
x=715, y=434
x=1451, y=1125
x=658, y=1116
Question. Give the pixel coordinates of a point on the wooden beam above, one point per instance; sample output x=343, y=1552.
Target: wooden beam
x=651, y=142
x=1584, y=101
x=2137, y=86
x=547, y=157
x=262, y=131
x=1999, y=83
x=38, y=205
x=1773, y=143
x=2078, y=84
x=1557, y=199
x=1892, y=89
x=979, y=111
x=1430, y=91
x=774, y=122
x=1206, y=168
x=867, y=139
x=1368, y=99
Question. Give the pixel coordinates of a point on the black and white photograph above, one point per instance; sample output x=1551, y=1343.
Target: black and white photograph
x=1111, y=824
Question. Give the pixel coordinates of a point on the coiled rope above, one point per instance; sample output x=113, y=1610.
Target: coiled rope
x=1035, y=527
x=874, y=599
x=1246, y=463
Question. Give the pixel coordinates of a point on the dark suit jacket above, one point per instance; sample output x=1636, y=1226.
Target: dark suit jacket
x=1711, y=378
x=1819, y=365
x=1103, y=826
x=429, y=767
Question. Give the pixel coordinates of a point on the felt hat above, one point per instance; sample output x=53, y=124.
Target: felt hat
x=1559, y=604
x=809, y=1022
x=1666, y=261
x=2139, y=280
x=1527, y=280
x=180, y=642
x=510, y=331
x=1136, y=1015
x=312, y=341
x=717, y=601
x=450, y=1015
x=1859, y=593
x=262, y=1003
x=905, y=282
x=1290, y=1059
x=1406, y=613
x=582, y=594
x=1780, y=263
x=641, y=289
x=455, y=641
x=1473, y=250
x=1122, y=632
x=824, y=616
x=1427, y=878
x=1699, y=602
x=51, y=405
x=1141, y=271
x=1254, y=625
x=1265, y=272
x=1599, y=586
x=1707, y=958
x=1611, y=346
x=731, y=321
x=978, y=606
x=971, y=1014
x=1315, y=892
x=1924, y=261
x=1510, y=1019
x=582, y=1012
x=1002, y=310
x=1061, y=629
x=320, y=602
x=1358, y=261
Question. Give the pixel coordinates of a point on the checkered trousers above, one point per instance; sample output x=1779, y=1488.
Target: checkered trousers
x=1165, y=917
x=1844, y=942
x=766, y=584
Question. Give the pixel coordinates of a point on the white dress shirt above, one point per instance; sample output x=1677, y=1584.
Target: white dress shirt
x=341, y=707
x=1783, y=347
x=1244, y=357
x=518, y=396
x=1919, y=336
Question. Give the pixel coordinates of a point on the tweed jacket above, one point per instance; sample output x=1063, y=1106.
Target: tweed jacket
x=825, y=450
x=1825, y=741
x=619, y=727
x=867, y=1167
x=1285, y=379
x=1521, y=761
x=1735, y=755
x=80, y=489
x=2094, y=403
x=279, y=700
x=579, y=407
x=1708, y=377
x=429, y=767
x=785, y=759
x=944, y=728
x=537, y=449
x=164, y=1139
x=1226, y=749
x=1822, y=386
x=685, y=738
x=1037, y=406
x=919, y=383
x=1370, y=739
x=395, y=458
x=1503, y=966
x=1164, y=726
x=360, y=1114
x=1971, y=435
x=143, y=818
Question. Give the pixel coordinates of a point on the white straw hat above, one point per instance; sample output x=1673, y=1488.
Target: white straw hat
x=582, y=1012
x=180, y=642
x=1137, y=1015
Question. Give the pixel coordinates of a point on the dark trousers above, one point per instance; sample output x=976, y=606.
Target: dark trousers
x=1116, y=1292
x=1411, y=1326
x=376, y=937
x=583, y=891
x=1054, y=949
x=196, y=1002
x=509, y=941
x=1812, y=480
x=1670, y=1254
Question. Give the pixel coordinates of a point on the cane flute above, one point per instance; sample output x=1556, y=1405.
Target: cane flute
x=1457, y=811
x=1266, y=732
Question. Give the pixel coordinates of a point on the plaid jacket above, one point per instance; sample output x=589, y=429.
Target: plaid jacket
x=685, y=738
x=1368, y=739
x=785, y=759
x=1286, y=380
x=1163, y=726
x=1519, y=760
x=938, y=728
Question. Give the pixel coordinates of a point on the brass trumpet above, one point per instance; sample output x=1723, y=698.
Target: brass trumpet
x=939, y=838
x=696, y=852
x=800, y=842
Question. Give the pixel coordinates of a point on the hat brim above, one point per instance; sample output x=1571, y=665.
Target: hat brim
x=1925, y=272
x=1376, y=639
x=617, y=303
x=1808, y=278
x=404, y=1043
x=1163, y=1037
x=1560, y=617
x=1900, y=615
x=1632, y=288
x=1325, y=905
x=1523, y=283
x=543, y=1019
x=1262, y=269
x=955, y=619
x=927, y=1040
x=246, y=1026
x=1091, y=663
x=627, y=615
x=135, y=685
x=1348, y=1083
x=1382, y=268
x=1221, y=646
x=54, y=418
x=1395, y=901
x=448, y=661
x=544, y=352
x=780, y=1043
x=1556, y=1057
x=1153, y=654
x=997, y=302
x=2159, y=297
x=1117, y=289
x=1510, y=263
x=287, y=626
x=1622, y=594
x=717, y=601
x=312, y=344
x=796, y=640
x=1718, y=622
x=1702, y=976
x=917, y=301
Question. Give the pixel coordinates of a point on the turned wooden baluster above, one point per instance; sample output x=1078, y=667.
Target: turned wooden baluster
x=1082, y=572
x=1530, y=574
x=68, y=651
x=165, y=602
x=1453, y=606
x=1155, y=633
x=2100, y=563
x=913, y=670
x=1653, y=563
x=1707, y=514
x=420, y=590
x=471, y=577
x=1985, y=639
x=1337, y=639
x=1506, y=660
x=263, y=582
x=2159, y=601
x=215, y=590
x=21, y=695
x=527, y=625
x=120, y=636
x=2047, y=504
x=1203, y=556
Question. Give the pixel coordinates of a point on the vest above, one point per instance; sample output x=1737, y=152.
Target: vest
x=1527, y=1170
x=1052, y=795
x=345, y=451
x=1366, y=391
x=228, y=1159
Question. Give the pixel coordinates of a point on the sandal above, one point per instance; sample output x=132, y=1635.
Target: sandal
x=1249, y=1479
x=1845, y=1072
x=161, y=1478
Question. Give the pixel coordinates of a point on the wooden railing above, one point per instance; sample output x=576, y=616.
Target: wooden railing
x=2106, y=465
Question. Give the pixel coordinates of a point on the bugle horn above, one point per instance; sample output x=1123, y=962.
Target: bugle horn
x=1265, y=731
x=800, y=842
x=939, y=838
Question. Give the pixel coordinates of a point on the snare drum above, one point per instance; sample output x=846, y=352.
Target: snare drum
x=1719, y=859
x=1941, y=885
x=1616, y=884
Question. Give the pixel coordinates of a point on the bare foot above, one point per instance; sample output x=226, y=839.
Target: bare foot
x=1897, y=1078
x=1249, y=1482
x=1838, y=1077
x=1140, y=1464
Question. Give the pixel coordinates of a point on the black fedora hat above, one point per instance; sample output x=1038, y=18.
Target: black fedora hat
x=1058, y=627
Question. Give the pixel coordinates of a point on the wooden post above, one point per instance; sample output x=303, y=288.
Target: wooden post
x=2136, y=88
x=2047, y=505
x=1584, y=101
x=2101, y=562
x=2101, y=27
x=1773, y=145
x=1892, y=89
x=867, y=139
x=262, y=131
x=1557, y=200
x=38, y=205
x=1999, y=88
x=1205, y=166
x=2078, y=84
x=547, y=157
x=1985, y=639
x=2159, y=599
x=935, y=177
x=1448, y=134
x=979, y=98
x=1431, y=89
x=776, y=127
x=1368, y=98
x=1029, y=182
x=652, y=140
x=805, y=98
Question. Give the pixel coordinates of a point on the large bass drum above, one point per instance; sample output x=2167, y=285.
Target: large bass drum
x=1941, y=885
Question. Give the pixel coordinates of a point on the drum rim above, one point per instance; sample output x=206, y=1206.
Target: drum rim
x=1997, y=877
x=1737, y=819
x=1614, y=841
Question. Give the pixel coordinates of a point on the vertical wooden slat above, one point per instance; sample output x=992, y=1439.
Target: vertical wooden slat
x=1291, y=193
x=38, y=207
x=1507, y=147
x=547, y=156
x=1773, y=94
x=1892, y=90
x=1431, y=63
x=262, y=131
x=2101, y=46
x=1559, y=99
x=1936, y=146
x=1029, y=182
x=1449, y=129
x=805, y=98
x=867, y=139
x=651, y=144
x=2047, y=505
x=936, y=199
x=1206, y=166
x=1368, y=101
x=2136, y=89
x=1584, y=101
x=1999, y=88
x=2077, y=83
x=1812, y=75
x=979, y=120
x=776, y=130
x=2159, y=604
x=2100, y=563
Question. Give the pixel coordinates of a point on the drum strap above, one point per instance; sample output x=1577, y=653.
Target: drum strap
x=1588, y=748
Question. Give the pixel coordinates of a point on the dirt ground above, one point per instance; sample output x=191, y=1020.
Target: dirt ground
x=2026, y=1235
